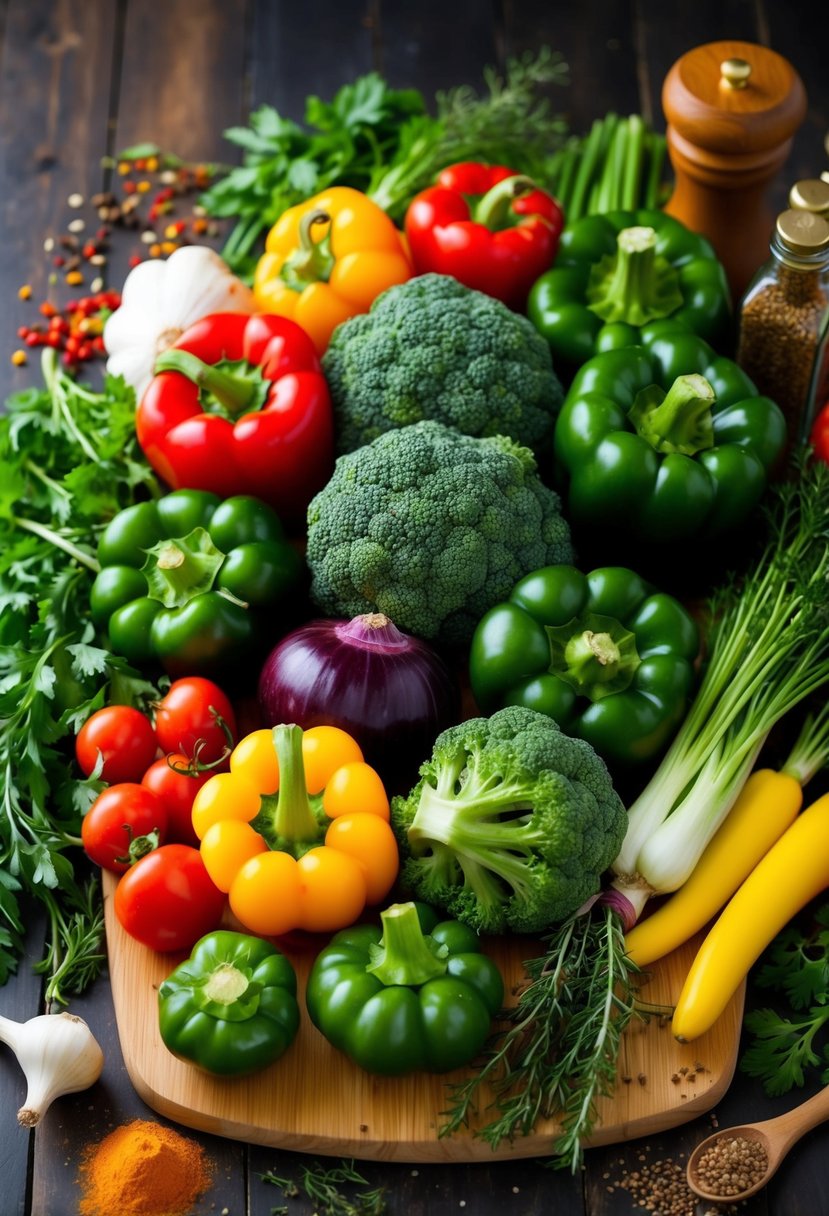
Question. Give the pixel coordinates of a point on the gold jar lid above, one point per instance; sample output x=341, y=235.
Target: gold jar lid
x=811, y=194
x=803, y=232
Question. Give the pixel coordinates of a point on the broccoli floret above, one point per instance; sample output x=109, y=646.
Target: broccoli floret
x=511, y=824
x=432, y=528
x=434, y=349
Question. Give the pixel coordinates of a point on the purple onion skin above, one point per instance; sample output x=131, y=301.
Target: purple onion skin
x=391, y=691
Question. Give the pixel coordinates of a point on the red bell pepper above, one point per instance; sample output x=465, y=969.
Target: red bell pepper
x=819, y=437
x=239, y=405
x=487, y=226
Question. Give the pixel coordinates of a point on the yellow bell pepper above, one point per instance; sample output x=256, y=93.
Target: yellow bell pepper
x=327, y=260
x=297, y=833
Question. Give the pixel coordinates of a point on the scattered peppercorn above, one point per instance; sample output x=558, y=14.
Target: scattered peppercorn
x=660, y=1187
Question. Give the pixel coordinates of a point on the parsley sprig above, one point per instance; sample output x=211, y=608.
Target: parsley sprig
x=786, y=1045
x=70, y=462
x=385, y=142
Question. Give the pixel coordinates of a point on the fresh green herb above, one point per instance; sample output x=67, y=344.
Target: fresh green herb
x=322, y=1187
x=784, y=1047
x=70, y=462
x=383, y=141
x=559, y=1054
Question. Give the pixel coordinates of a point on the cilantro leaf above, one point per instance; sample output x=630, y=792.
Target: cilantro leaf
x=70, y=461
x=783, y=1048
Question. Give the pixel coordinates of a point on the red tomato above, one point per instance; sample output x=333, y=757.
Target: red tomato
x=124, y=737
x=118, y=817
x=191, y=715
x=820, y=435
x=167, y=900
x=177, y=790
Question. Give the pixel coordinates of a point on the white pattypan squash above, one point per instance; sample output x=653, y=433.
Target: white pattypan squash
x=162, y=299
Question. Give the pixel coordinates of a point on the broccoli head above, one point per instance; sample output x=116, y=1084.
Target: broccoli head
x=434, y=349
x=511, y=824
x=432, y=528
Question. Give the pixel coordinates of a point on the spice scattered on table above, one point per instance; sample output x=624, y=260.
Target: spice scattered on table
x=143, y=1169
x=660, y=1187
x=75, y=331
x=732, y=1165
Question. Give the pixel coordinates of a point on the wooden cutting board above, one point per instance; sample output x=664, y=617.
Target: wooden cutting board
x=315, y=1100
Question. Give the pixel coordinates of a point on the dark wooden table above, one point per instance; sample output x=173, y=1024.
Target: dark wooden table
x=83, y=78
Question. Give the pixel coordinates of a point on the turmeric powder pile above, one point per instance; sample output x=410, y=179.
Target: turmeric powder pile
x=143, y=1169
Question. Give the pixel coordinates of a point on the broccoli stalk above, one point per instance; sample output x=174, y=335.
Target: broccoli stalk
x=490, y=851
x=511, y=824
x=291, y=821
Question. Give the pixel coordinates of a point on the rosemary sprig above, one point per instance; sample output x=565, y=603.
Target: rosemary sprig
x=322, y=1187
x=559, y=1054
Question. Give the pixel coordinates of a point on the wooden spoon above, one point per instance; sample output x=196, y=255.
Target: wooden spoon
x=776, y=1136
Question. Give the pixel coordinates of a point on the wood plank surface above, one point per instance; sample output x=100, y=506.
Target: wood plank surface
x=55, y=83
x=315, y=1100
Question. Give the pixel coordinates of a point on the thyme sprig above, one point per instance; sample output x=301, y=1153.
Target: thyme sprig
x=323, y=1187
x=558, y=1055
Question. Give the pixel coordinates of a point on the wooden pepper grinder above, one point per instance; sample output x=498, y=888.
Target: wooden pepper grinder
x=732, y=110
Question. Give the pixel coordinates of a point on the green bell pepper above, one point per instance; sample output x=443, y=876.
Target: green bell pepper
x=416, y=996
x=665, y=443
x=191, y=581
x=615, y=273
x=231, y=1008
x=606, y=655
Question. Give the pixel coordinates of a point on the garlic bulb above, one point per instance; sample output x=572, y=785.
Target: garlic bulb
x=58, y=1054
x=162, y=299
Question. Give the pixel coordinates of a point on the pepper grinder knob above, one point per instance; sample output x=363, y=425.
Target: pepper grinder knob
x=735, y=73
x=732, y=109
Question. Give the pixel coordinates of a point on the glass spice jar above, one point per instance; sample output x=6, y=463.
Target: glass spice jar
x=783, y=319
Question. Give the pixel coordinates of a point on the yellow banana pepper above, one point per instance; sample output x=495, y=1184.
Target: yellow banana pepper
x=328, y=259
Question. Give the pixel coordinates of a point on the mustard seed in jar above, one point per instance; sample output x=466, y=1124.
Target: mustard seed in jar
x=783, y=319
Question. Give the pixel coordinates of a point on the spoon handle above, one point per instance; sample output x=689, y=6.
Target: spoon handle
x=787, y=1129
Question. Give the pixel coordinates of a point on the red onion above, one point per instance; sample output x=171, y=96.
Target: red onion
x=392, y=692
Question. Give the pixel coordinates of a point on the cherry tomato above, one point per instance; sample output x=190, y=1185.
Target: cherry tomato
x=124, y=737
x=116, y=828
x=190, y=717
x=177, y=789
x=167, y=900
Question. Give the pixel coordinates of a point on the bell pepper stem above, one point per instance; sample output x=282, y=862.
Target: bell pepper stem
x=312, y=261
x=634, y=285
x=234, y=393
x=405, y=955
x=679, y=420
x=294, y=818
x=226, y=984
x=179, y=568
x=493, y=210
x=596, y=655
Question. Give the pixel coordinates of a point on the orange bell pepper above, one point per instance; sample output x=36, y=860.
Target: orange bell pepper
x=328, y=259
